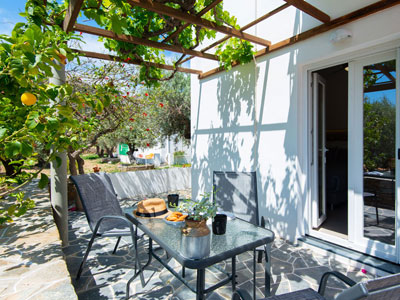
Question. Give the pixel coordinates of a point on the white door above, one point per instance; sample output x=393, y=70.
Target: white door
x=374, y=155
x=319, y=154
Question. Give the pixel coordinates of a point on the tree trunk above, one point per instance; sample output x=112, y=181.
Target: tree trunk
x=131, y=151
x=11, y=170
x=72, y=164
x=80, y=162
x=132, y=148
x=187, y=133
x=109, y=151
x=99, y=151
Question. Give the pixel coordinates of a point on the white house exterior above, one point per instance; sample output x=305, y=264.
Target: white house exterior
x=262, y=117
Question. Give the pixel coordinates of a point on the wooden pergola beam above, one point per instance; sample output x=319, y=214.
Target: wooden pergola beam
x=166, y=10
x=247, y=26
x=135, y=61
x=348, y=18
x=140, y=41
x=71, y=15
x=310, y=10
x=202, y=12
x=256, y=21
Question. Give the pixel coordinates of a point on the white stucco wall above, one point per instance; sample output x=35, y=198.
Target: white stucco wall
x=243, y=124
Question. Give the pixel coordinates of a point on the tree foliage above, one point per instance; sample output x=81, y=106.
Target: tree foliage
x=175, y=118
x=127, y=120
x=379, y=133
x=26, y=61
x=122, y=18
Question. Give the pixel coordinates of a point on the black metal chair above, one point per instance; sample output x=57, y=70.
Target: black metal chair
x=236, y=192
x=387, y=287
x=103, y=212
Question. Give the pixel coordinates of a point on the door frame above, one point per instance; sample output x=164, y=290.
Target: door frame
x=318, y=80
x=306, y=149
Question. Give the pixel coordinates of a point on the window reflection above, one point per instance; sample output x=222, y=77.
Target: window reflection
x=379, y=151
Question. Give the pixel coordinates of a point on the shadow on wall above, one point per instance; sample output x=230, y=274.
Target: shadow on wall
x=241, y=144
x=223, y=144
x=280, y=191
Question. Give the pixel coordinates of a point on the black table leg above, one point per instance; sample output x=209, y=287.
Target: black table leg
x=254, y=273
x=233, y=273
x=141, y=268
x=268, y=270
x=200, y=285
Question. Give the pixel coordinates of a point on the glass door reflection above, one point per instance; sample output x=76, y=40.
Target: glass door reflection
x=379, y=151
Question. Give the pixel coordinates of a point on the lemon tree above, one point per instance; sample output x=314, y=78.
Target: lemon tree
x=33, y=112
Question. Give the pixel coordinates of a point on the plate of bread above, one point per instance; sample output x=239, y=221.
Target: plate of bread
x=175, y=218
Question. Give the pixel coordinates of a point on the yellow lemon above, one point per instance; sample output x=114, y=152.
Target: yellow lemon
x=28, y=99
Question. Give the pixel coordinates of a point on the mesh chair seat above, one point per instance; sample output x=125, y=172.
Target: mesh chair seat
x=99, y=199
x=103, y=212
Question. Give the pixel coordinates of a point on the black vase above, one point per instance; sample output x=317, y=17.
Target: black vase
x=173, y=200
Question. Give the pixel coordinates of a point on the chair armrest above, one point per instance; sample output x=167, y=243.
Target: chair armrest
x=325, y=277
x=122, y=218
x=241, y=294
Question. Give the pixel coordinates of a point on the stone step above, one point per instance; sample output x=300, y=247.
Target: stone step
x=363, y=259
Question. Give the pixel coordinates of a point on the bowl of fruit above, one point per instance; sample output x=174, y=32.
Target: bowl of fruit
x=175, y=218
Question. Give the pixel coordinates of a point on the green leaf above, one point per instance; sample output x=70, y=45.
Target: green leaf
x=6, y=47
x=26, y=149
x=3, y=132
x=31, y=57
x=107, y=3
x=63, y=52
x=40, y=127
x=116, y=24
x=53, y=123
x=11, y=209
x=44, y=180
x=33, y=120
x=12, y=149
x=52, y=93
x=106, y=101
x=99, y=106
x=65, y=110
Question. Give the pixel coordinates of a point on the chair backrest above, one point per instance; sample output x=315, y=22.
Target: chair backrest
x=98, y=199
x=387, y=287
x=236, y=192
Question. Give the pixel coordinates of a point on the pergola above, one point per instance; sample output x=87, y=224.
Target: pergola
x=186, y=19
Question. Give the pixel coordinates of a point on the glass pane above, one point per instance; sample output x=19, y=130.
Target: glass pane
x=238, y=234
x=321, y=152
x=379, y=151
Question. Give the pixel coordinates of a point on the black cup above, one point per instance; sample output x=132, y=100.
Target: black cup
x=219, y=224
x=173, y=200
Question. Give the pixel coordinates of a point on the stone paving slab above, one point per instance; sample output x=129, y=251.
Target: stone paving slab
x=32, y=264
x=105, y=275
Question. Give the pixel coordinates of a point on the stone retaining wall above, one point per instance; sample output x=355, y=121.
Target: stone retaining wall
x=150, y=182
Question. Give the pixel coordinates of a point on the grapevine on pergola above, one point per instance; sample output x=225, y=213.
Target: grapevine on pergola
x=122, y=18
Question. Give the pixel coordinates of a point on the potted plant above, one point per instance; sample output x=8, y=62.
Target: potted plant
x=196, y=234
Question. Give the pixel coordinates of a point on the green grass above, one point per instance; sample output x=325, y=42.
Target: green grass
x=90, y=156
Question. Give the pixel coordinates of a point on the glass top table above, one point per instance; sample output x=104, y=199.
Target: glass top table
x=240, y=237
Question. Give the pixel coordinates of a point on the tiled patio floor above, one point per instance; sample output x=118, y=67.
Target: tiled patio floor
x=105, y=275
